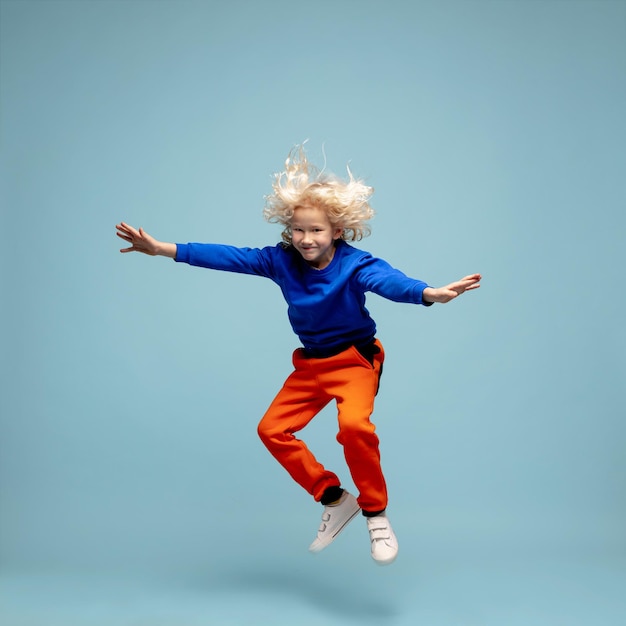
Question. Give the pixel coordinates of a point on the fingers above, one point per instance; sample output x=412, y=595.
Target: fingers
x=129, y=234
x=123, y=236
x=469, y=282
x=129, y=231
x=472, y=278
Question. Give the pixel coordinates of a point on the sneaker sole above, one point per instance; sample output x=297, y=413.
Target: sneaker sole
x=388, y=561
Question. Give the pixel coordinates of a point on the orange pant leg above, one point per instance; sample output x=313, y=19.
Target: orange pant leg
x=295, y=405
x=353, y=382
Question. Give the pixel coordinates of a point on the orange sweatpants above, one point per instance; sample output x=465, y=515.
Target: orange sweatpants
x=350, y=380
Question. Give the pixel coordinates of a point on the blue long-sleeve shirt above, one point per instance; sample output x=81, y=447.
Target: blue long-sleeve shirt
x=327, y=306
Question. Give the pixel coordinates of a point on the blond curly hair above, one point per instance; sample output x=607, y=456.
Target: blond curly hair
x=303, y=184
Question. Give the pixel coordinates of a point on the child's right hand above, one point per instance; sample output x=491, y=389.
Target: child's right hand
x=141, y=241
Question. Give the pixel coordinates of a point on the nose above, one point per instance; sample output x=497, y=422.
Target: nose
x=306, y=238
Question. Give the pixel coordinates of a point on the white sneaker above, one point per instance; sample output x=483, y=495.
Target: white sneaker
x=334, y=519
x=383, y=539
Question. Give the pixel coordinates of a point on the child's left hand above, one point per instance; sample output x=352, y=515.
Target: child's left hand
x=451, y=291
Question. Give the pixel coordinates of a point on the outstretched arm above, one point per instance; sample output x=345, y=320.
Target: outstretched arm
x=142, y=242
x=451, y=291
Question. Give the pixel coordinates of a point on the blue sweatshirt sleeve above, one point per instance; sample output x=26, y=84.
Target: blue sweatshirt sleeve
x=377, y=276
x=215, y=256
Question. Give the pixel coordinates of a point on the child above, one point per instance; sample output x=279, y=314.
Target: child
x=324, y=280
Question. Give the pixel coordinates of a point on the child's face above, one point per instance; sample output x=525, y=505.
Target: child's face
x=313, y=236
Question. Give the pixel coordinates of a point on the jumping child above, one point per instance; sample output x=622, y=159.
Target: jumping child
x=324, y=281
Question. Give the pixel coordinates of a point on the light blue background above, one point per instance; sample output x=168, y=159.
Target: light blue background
x=133, y=487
